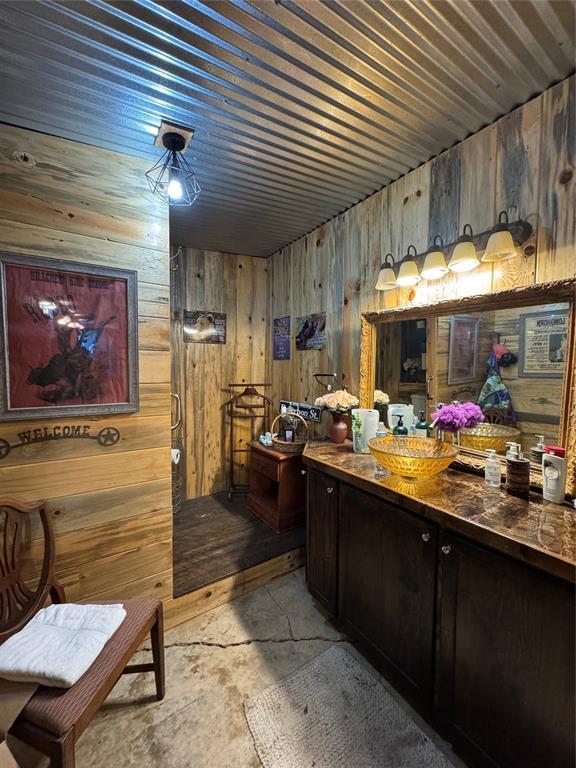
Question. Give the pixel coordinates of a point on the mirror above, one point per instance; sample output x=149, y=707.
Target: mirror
x=511, y=353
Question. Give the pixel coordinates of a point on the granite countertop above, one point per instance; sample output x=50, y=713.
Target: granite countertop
x=532, y=530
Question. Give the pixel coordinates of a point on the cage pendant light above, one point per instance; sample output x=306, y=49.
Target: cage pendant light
x=172, y=179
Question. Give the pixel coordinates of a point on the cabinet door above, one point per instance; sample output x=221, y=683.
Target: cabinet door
x=387, y=589
x=506, y=659
x=321, y=538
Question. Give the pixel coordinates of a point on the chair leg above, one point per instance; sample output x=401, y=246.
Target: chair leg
x=157, y=638
x=63, y=753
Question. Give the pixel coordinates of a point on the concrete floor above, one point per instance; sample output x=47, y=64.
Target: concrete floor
x=213, y=663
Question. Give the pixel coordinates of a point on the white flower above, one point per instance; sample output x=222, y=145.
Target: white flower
x=381, y=398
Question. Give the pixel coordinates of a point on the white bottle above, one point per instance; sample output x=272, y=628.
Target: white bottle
x=380, y=432
x=553, y=478
x=492, y=471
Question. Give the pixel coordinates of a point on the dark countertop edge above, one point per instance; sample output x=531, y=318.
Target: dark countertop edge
x=553, y=564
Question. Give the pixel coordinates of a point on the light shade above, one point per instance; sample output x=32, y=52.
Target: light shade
x=434, y=265
x=500, y=243
x=386, y=279
x=464, y=256
x=408, y=274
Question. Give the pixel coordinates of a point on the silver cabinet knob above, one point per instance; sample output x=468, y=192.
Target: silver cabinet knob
x=302, y=471
x=426, y=537
x=330, y=489
x=446, y=549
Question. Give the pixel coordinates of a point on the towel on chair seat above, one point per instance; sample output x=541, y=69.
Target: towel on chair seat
x=59, y=644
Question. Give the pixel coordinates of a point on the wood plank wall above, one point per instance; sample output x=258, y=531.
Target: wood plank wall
x=523, y=163
x=237, y=286
x=111, y=506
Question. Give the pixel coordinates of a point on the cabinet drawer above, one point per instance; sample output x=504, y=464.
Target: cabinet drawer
x=267, y=467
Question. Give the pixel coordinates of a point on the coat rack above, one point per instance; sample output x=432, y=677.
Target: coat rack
x=237, y=409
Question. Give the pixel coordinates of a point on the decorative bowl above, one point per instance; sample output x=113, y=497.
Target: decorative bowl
x=413, y=457
x=486, y=435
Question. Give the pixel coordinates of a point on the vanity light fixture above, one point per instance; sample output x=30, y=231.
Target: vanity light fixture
x=408, y=274
x=500, y=244
x=171, y=178
x=435, y=262
x=464, y=257
x=386, y=277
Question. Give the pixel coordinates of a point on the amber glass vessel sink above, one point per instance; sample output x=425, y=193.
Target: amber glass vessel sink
x=485, y=435
x=413, y=457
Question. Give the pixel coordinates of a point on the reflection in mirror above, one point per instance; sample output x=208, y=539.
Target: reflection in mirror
x=511, y=363
x=401, y=369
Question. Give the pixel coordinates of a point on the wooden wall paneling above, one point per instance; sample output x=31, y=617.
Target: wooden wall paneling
x=113, y=538
x=32, y=482
x=333, y=254
x=151, y=264
x=281, y=372
x=517, y=186
x=87, y=510
x=204, y=380
x=153, y=300
x=239, y=287
x=156, y=585
x=154, y=366
x=557, y=210
x=356, y=258
x=64, y=200
x=251, y=308
x=136, y=433
x=154, y=333
x=110, y=574
x=77, y=188
x=444, y=212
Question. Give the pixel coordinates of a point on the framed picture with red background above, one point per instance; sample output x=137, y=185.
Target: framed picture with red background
x=69, y=336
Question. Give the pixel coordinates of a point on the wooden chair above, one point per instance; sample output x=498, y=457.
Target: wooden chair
x=54, y=718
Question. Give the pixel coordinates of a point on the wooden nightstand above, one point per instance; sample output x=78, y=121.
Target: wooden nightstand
x=277, y=487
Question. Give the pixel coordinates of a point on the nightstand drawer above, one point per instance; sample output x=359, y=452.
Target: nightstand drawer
x=266, y=466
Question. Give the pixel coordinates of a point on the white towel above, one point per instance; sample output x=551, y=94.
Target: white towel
x=59, y=644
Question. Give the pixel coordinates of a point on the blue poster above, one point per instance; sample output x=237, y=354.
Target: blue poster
x=281, y=338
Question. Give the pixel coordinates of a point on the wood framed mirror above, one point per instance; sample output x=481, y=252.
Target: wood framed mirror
x=511, y=352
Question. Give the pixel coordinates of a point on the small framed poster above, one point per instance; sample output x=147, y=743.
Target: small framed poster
x=543, y=341
x=201, y=327
x=281, y=338
x=463, y=349
x=69, y=335
x=311, y=331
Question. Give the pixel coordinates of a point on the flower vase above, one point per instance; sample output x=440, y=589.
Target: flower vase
x=338, y=428
x=382, y=409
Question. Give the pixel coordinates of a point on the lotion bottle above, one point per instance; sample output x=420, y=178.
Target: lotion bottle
x=380, y=471
x=492, y=473
x=554, y=475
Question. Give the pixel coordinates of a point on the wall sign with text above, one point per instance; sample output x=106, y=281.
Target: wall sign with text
x=543, y=341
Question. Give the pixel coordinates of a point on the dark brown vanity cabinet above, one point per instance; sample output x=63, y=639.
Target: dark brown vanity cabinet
x=387, y=586
x=505, y=679
x=479, y=641
x=322, y=538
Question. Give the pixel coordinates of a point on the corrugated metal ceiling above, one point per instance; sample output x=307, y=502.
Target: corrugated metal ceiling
x=301, y=108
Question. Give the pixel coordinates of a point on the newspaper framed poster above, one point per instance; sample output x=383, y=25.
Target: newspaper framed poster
x=543, y=342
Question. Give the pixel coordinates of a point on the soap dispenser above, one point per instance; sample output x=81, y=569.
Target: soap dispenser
x=554, y=474
x=400, y=430
x=517, y=472
x=537, y=452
